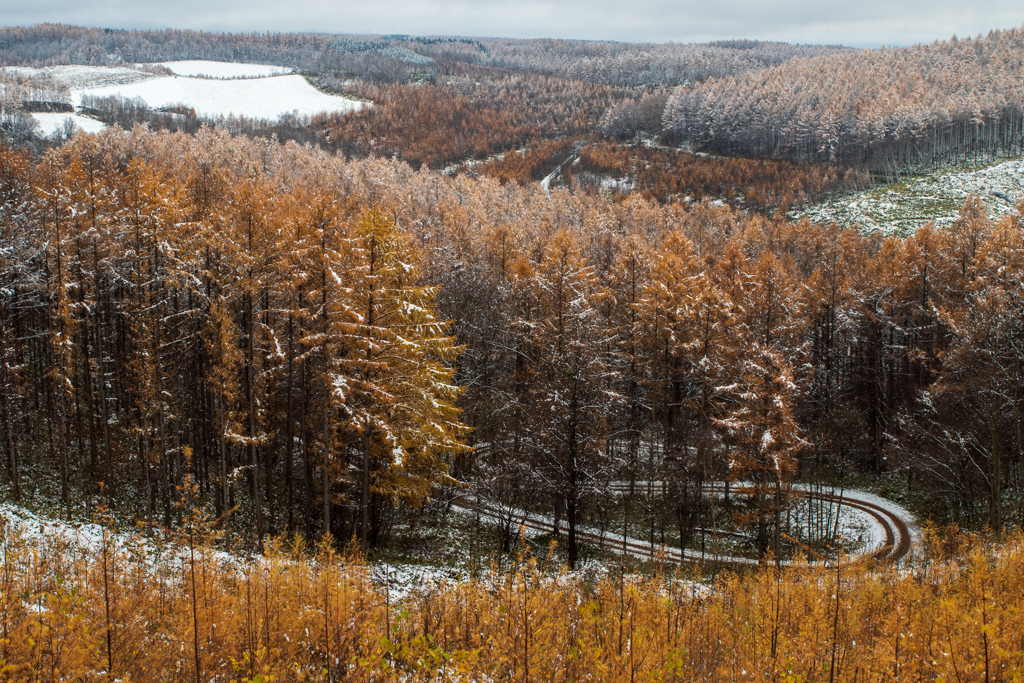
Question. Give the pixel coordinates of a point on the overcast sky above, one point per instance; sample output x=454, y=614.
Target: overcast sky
x=859, y=22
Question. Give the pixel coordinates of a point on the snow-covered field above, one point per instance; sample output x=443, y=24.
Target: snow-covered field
x=208, y=69
x=903, y=207
x=51, y=124
x=261, y=95
x=258, y=98
x=401, y=581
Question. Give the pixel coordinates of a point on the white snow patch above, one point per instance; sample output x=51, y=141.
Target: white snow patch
x=546, y=182
x=39, y=531
x=35, y=529
x=210, y=69
x=857, y=525
x=402, y=581
x=51, y=124
x=617, y=184
x=266, y=95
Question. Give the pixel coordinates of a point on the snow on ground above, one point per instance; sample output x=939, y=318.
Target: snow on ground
x=617, y=184
x=261, y=95
x=897, y=510
x=546, y=182
x=856, y=524
x=35, y=528
x=862, y=530
x=903, y=207
x=86, y=538
x=451, y=169
x=402, y=581
x=209, y=69
x=258, y=98
x=51, y=124
x=857, y=529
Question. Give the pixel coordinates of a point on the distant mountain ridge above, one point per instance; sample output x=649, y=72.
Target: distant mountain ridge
x=595, y=61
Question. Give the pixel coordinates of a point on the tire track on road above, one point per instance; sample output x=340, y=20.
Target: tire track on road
x=898, y=538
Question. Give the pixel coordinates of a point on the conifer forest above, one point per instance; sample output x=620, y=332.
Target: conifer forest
x=541, y=318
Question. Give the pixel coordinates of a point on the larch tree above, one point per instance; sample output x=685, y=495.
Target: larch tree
x=571, y=379
x=762, y=433
x=397, y=380
x=56, y=215
x=16, y=255
x=975, y=406
x=685, y=319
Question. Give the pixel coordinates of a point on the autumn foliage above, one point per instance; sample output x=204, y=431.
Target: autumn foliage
x=137, y=609
x=214, y=312
x=887, y=110
x=267, y=307
x=465, y=117
x=667, y=174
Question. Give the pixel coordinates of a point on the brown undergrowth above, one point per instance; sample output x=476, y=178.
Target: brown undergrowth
x=133, y=609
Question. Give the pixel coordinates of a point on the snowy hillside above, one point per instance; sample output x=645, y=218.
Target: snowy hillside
x=258, y=91
x=259, y=98
x=938, y=196
x=207, y=69
x=51, y=124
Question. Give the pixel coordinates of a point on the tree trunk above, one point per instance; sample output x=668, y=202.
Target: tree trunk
x=571, y=513
x=995, y=474
x=326, y=468
x=12, y=452
x=102, y=382
x=250, y=386
x=222, y=409
x=364, y=491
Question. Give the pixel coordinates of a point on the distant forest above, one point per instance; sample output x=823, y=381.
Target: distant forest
x=393, y=58
x=466, y=105
x=891, y=110
x=444, y=101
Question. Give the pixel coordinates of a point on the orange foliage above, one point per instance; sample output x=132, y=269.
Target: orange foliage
x=529, y=164
x=177, y=610
x=666, y=174
x=440, y=124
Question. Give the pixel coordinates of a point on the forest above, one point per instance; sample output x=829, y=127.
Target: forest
x=394, y=58
x=442, y=101
x=321, y=343
x=244, y=344
x=756, y=184
x=890, y=110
